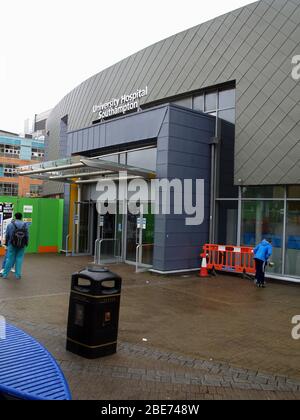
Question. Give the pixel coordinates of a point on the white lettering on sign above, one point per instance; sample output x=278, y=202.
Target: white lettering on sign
x=296, y=67
x=296, y=329
x=120, y=105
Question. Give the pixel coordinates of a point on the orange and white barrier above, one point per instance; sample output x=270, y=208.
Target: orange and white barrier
x=232, y=259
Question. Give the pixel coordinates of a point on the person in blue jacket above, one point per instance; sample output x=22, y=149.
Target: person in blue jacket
x=262, y=253
x=15, y=252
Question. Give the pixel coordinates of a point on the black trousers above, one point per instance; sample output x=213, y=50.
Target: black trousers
x=260, y=271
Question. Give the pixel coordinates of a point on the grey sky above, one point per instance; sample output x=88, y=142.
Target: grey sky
x=48, y=47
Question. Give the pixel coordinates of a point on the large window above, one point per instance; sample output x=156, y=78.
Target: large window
x=264, y=220
x=266, y=212
x=227, y=212
x=37, y=154
x=217, y=102
x=10, y=151
x=267, y=191
x=144, y=158
x=9, y=171
x=9, y=189
x=35, y=190
x=292, y=264
x=293, y=191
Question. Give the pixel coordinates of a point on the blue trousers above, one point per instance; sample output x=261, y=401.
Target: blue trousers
x=4, y=260
x=14, y=256
x=260, y=271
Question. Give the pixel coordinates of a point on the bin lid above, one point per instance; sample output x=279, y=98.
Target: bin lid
x=99, y=278
x=95, y=268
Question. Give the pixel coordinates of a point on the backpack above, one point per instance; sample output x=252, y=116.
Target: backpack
x=19, y=236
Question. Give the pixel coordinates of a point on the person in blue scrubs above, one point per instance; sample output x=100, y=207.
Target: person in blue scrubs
x=15, y=255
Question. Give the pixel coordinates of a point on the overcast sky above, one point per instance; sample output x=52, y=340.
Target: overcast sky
x=48, y=47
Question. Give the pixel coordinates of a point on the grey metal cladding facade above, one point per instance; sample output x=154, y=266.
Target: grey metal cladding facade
x=134, y=128
x=183, y=153
x=254, y=46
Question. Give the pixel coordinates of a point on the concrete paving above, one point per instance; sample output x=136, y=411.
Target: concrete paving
x=180, y=337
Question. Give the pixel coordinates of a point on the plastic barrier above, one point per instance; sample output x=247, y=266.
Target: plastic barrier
x=232, y=259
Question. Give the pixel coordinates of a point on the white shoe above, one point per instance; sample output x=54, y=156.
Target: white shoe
x=13, y=270
x=2, y=271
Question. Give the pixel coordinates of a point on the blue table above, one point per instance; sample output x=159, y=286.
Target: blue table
x=28, y=371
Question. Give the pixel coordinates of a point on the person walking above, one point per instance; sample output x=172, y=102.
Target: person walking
x=17, y=238
x=262, y=253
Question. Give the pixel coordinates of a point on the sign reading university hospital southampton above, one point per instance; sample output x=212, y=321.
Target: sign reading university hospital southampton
x=120, y=105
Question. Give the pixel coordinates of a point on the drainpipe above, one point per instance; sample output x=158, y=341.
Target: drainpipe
x=213, y=189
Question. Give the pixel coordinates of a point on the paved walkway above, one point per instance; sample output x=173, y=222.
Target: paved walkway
x=179, y=338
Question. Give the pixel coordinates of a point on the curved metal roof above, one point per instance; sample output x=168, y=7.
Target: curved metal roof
x=253, y=46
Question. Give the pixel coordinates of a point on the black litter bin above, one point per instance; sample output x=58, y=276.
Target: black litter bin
x=94, y=313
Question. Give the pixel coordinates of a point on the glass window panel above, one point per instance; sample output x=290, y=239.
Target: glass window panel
x=185, y=102
x=198, y=103
x=110, y=158
x=226, y=187
x=293, y=191
x=267, y=191
x=264, y=220
x=145, y=159
x=227, y=98
x=122, y=158
x=9, y=189
x=227, y=222
x=35, y=190
x=228, y=115
x=292, y=262
x=211, y=101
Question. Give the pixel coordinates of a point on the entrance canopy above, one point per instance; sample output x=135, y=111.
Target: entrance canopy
x=80, y=169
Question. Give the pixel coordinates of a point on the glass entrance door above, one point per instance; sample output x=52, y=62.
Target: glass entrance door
x=110, y=238
x=83, y=221
x=140, y=236
x=132, y=237
x=292, y=257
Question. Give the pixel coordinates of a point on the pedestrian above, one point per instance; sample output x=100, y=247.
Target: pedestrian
x=262, y=253
x=16, y=240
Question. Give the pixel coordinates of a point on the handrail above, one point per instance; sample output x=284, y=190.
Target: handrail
x=67, y=245
x=96, y=258
x=137, y=258
x=67, y=251
x=98, y=253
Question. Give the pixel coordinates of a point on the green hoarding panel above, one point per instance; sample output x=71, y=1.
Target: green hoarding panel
x=45, y=220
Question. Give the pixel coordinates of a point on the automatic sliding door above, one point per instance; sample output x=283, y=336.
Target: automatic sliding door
x=82, y=222
x=110, y=237
x=140, y=236
x=132, y=237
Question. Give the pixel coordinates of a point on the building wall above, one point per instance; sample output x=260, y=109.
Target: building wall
x=183, y=152
x=252, y=46
x=8, y=133
x=22, y=159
